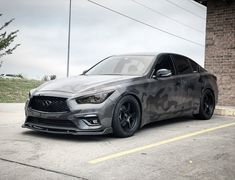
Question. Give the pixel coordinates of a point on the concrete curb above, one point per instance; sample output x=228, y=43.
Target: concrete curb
x=225, y=110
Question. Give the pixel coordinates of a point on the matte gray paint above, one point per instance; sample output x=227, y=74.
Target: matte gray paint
x=161, y=98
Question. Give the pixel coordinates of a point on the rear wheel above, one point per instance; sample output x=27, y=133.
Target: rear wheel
x=126, y=118
x=207, y=105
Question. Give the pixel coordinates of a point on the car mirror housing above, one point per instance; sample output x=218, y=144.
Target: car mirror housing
x=163, y=73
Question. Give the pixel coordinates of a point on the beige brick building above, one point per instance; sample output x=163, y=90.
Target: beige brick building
x=220, y=47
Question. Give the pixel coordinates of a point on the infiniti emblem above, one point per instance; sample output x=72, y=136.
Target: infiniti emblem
x=47, y=103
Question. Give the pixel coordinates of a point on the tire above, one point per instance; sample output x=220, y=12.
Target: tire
x=126, y=117
x=207, y=105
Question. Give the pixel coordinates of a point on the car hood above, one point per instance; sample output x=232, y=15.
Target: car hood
x=85, y=83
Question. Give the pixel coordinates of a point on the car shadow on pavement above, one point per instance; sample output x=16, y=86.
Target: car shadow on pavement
x=92, y=138
x=67, y=137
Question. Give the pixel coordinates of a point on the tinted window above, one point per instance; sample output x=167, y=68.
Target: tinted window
x=182, y=65
x=165, y=62
x=201, y=69
x=194, y=65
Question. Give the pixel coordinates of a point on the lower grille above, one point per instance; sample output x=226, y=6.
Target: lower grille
x=51, y=122
x=49, y=104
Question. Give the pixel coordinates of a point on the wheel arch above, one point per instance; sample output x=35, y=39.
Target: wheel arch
x=209, y=82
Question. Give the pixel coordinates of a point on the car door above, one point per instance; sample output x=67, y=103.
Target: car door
x=190, y=82
x=165, y=92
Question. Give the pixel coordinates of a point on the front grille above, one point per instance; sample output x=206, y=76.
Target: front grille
x=51, y=122
x=49, y=104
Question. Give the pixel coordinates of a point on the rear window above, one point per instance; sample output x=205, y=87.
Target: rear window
x=194, y=65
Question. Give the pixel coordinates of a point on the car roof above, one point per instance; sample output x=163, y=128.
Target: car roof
x=147, y=54
x=139, y=54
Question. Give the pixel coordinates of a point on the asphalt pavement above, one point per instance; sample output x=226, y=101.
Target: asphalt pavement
x=183, y=148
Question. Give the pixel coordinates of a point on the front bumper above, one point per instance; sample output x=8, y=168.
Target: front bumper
x=56, y=130
x=82, y=119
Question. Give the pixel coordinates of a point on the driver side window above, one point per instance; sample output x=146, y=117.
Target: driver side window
x=165, y=62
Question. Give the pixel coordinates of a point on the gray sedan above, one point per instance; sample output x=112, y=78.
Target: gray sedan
x=121, y=94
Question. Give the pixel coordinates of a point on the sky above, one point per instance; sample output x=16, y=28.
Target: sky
x=97, y=33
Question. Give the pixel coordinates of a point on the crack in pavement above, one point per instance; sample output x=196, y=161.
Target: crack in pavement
x=42, y=168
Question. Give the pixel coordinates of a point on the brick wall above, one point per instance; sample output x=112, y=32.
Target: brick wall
x=220, y=48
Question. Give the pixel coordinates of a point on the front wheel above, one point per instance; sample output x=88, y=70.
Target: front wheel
x=207, y=105
x=126, y=118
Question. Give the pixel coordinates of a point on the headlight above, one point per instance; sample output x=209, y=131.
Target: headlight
x=31, y=92
x=94, y=98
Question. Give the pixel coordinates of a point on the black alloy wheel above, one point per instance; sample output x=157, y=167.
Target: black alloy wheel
x=207, y=105
x=126, y=118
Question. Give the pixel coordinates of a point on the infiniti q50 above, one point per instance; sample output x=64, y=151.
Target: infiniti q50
x=121, y=94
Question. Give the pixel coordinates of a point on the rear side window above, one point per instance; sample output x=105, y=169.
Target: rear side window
x=182, y=64
x=201, y=69
x=194, y=65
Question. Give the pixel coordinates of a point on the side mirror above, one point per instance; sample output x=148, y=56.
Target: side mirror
x=163, y=73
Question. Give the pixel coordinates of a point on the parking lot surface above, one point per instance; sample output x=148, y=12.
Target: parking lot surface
x=182, y=148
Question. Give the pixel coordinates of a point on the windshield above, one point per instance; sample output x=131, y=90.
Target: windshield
x=122, y=65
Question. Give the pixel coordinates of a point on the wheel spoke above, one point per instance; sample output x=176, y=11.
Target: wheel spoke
x=121, y=118
x=123, y=123
x=208, y=103
x=128, y=107
x=123, y=109
x=204, y=106
x=127, y=116
x=129, y=125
